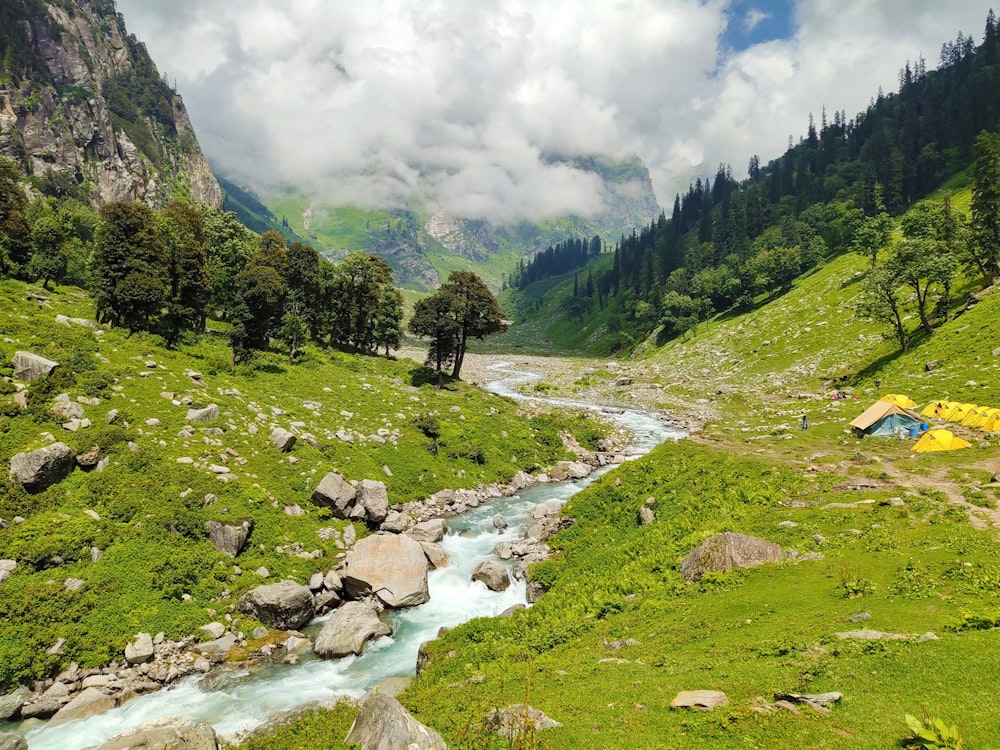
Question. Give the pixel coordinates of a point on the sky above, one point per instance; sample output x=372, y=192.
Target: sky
x=474, y=107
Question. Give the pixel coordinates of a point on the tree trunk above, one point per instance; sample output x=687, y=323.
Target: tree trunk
x=460, y=355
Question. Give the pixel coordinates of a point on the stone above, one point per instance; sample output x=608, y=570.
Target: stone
x=335, y=493
x=499, y=522
x=390, y=566
x=216, y=630
x=89, y=702
x=282, y=439
x=112, y=416
x=383, y=724
x=646, y=516
x=429, y=531
x=435, y=555
x=332, y=582
x=285, y=605
x=89, y=458
x=349, y=628
x=217, y=647
x=373, y=496
x=10, y=704
x=729, y=550
x=39, y=469
x=64, y=409
x=816, y=699
x=30, y=367
x=44, y=707
x=518, y=719
x=872, y=635
x=702, y=700
x=493, y=574
x=140, y=649
x=396, y=522
x=12, y=741
x=170, y=733
x=208, y=414
x=229, y=539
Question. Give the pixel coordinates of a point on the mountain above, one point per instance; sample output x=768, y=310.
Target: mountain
x=84, y=111
x=423, y=247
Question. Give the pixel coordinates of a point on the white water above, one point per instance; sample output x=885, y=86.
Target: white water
x=242, y=699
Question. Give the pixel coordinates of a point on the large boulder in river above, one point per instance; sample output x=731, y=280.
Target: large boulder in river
x=383, y=724
x=729, y=550
x=285, y=605
x=493, y=574
x=170, y=733
x=390, y=566
x=30, y=367
x=39, y=469
x=349, y=628
x=229, y=539
x=88, y=702
x=335, y=493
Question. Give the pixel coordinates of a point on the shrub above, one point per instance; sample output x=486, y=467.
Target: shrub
x=931, y=734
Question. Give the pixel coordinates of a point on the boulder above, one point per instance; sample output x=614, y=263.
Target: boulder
x=39, y=469
x=390, y=566
x=519, y=719
x=282, y=439
x=12, y=741
x=64, y=409
x=383, y=724
x=44, y=707
x=140, y=649
x=88, y=702
x=229, y=539
x=89, y=458
x=429, y=531
x=435, y=554
x=702, y=700
x=396, y=522
x=216, y=648
x=170, y=733
x=10, y=704
x=349, y=628
x=646, y=516
x=493, y=574
x=374, y=498
x=285, y=605
x=729, y=550
x=203, y=416
x=335, y=493
x=30, y=367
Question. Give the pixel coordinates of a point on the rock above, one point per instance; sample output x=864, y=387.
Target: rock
x=859, y=617
x=383, y=724
x=493, y=574
x=12, y=741
x=203, y=416
x=89, y=702
x=396, y=522
x=89, y=458
x=646, y=516
x=729, y=550
x=10, y=704
x=429, y=531
x=112, y=416
x=63, y=408
x=217, y=630
x=374, y=498
x=39, y=469
x=44, y=707
x=217, y=647
x=229, y=539
x=140, y=649
x=702, y=700
x=872, y=635
x=282, y=439
x=435, y=555
x=170, y=733
x=519, y=719
x=499, y=522
x=932, y=365
x=818, y=699
x=284, y=605
x=332, y=581
x=390, y=566
x=349, y=628
x=30, y=367
x=335, y=493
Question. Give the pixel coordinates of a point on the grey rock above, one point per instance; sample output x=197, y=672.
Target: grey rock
x=396, y=522
x=43, y=708
x=383, y=724
x=859, y=617
x=282, y=439
x=217, y=647
x=89, y=458
x=12, y=741
x=729, y=550
x=89, y=702
x=170, y=733
x=519, y=719
x=285, y=605
x=39, y=469
x=435, y=554
x=349, y=628
x=65, y=409
x=701, y=700
x=112, y=416
x=390, y=566
x=140, y=649
x=335, y=493
x=229, y=539
x=217, y=630
x=373, y=496
x=429, y=531
x=30, y=367
x=493, y=574
x=203, y=416
x=10, y=704
x=646, y=516
x=499, y=522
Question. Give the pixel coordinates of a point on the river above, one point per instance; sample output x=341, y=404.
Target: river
x=239, y=699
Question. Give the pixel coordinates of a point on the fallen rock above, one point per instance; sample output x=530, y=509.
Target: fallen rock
x=390, y=566
x=702, y=700
x=519, y=719
x=39, y=469
x=170, y=733
x=435, y=554
x=873, y=635
x=429, y=531
x=335, y=493
x=349, y=628
x=282, y=439
x=396, y=522
x=30, y=367
x=383, y=724
x=89, y=702
x=140, y=649
x=729, y=550
x=374, y=498
x=208, y=414
x=89, y=458
x=285, y=605
x=10, y=704
x=12, y=741
x=493, y=574
x=64, y=409
x=229, y=539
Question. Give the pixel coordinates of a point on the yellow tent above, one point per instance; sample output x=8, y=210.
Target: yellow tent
x=992, y=422
x=957, y=412
x=974, y=415
x=937, y=408
x=899, y=400
x=939, y=440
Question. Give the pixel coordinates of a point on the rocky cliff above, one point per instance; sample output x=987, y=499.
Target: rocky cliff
x=84, y=112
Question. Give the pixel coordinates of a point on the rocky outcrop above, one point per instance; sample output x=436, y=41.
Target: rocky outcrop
x=39, y=469
x=171, y=733
x=729, y=550
x=30, y=367
x=699, y=700
x=285, y=605
x=383, y=724
x=229, y=539
x=392, y=567
x=348, y=630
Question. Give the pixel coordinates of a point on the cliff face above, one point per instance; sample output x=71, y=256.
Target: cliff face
x=83, y=110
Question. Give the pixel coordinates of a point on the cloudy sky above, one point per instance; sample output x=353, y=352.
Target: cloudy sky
x=461, y=104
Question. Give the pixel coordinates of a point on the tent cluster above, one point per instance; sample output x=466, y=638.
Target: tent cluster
x=983, y=418
x=892, y=416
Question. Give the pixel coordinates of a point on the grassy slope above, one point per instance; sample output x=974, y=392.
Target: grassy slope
x=151, y=509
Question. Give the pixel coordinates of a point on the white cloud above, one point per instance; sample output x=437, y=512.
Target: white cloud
x=753, y=19
x=462, y=103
